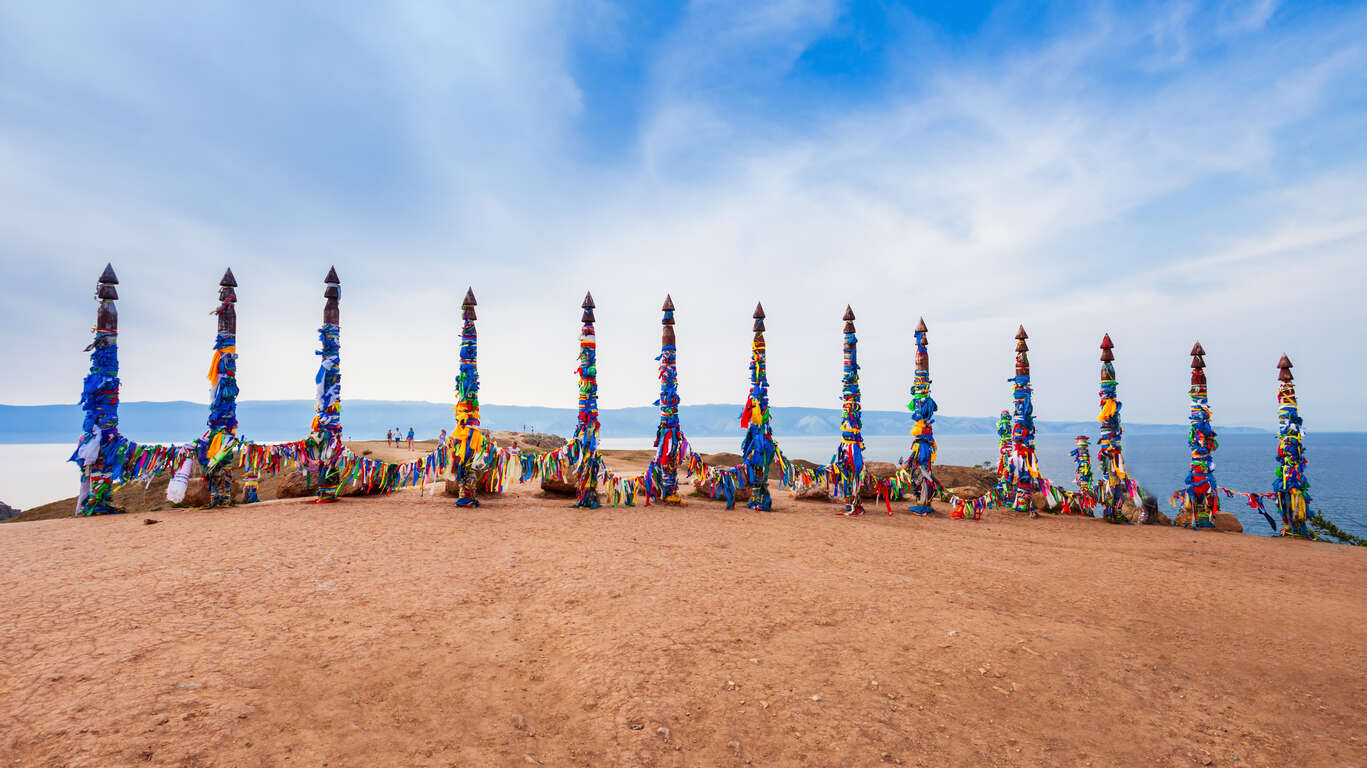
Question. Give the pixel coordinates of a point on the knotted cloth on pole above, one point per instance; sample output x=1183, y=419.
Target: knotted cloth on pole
x=663, y=471
x=583, y=448
x=327, y=423
x=922, y=458
x=847, y=464
x=467, y=441
x=1291, y=486
x=1200, y=497
x=97, y=453
x=1022, y=467
x=215, y=450
x=758, y=447
x=1115, y=482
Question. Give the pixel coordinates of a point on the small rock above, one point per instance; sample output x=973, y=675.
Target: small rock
x=816, y=697
x=953, y=633
x=530, y=760
x=520, y=722
x=735, y=746
x=149, y=521
x=663, y=731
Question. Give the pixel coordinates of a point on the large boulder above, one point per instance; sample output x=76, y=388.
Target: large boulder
x=1224, y=522
x=1228, y=523
x=1154, y=515
x=978, y=479
x=528, y=442
x=196, y=493
x=559, y=488
x=481, y=486
x=1043, y=504
x=811, y=493
x=875, y=471
x=294, y=485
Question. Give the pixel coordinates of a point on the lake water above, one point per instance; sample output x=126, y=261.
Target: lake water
x=36, y=474
x=1245, y=462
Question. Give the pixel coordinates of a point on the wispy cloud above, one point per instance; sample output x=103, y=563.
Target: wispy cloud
x=1158, y=173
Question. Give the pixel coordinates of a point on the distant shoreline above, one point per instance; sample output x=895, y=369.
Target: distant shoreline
x=281, y=420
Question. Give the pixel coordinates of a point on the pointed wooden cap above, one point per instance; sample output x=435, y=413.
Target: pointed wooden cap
x=921, y=326
x=469, y=300
x=668, y=305
x=1106, y=342
x=1197, y=362
x=332, y=276
x=1284, y=366
x=107, y=276
x=849, y=314
x=1021, y=334
x=228, y=279
x=1197, y=349
x=1106, y=346
x=759, y=311
x=588, y=301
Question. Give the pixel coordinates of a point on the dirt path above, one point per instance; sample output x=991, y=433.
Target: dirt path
x=402, y=631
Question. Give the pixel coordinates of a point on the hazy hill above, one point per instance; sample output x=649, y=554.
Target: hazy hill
x=271, y=420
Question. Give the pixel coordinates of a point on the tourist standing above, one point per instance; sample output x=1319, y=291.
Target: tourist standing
x=388, y=437
x=410, y=438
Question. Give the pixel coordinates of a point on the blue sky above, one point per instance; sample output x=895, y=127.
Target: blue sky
x=1164, y=172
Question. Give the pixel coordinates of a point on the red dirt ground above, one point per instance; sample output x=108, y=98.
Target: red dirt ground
x=403, y=631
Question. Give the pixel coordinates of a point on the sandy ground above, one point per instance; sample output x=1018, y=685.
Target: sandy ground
x=402, y=631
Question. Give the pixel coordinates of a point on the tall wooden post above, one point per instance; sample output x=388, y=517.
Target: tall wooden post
x=97, y=453
x=327, y=424
x=584, y=446
x=1024, y=467
x=467, y=439
x=1115, y=482
x=669, y=443
x=921, y=460
x=1291, y=485
x=215, y=449
x=758, y=446
x=848, y=462
x=1200, y=497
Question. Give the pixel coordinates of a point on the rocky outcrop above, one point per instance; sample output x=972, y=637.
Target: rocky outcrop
x=967, y=482
x=1224, y=522
x=295, y=484
x=6, y=511
x=559, y=487
x=528, y=442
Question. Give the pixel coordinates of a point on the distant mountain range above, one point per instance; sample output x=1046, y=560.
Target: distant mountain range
x=274, y=420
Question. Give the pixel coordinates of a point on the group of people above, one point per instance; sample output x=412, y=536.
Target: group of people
x=395, y=437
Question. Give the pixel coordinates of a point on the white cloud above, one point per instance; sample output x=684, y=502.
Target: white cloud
x=1055, y=183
